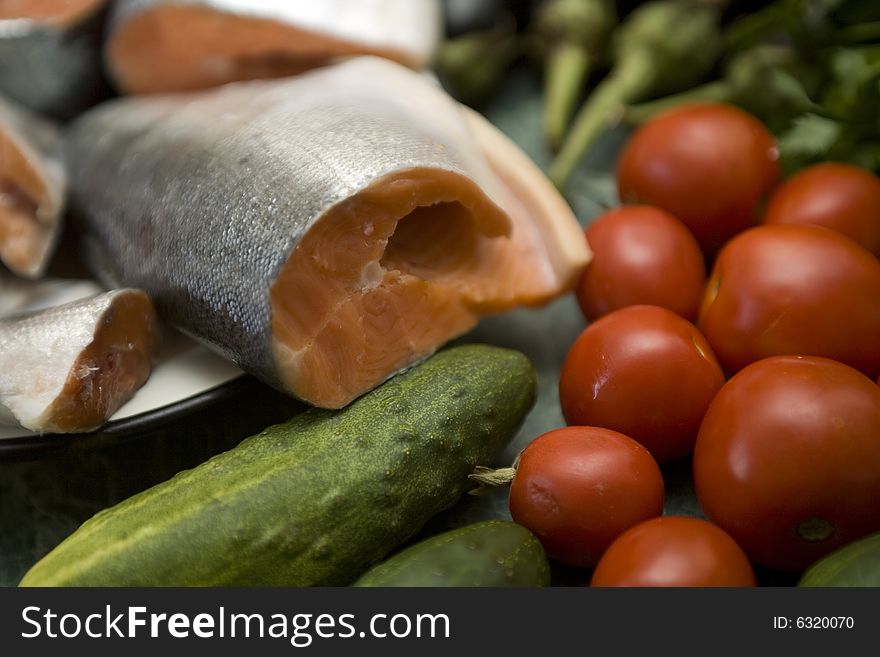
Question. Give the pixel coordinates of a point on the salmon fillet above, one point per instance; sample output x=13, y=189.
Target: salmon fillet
x=322, y=232
x=69, y=368
x=175, y=45
x=32, y=189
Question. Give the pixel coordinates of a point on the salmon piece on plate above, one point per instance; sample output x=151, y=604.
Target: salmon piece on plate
x=67, y=369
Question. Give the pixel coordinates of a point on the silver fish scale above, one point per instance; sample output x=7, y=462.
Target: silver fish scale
x=51, y=70
x=73, y=322
x=200, y=199
x=37, y=350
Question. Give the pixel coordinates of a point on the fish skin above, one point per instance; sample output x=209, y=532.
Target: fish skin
x=41, y=144
x=55, y=70
x=39, y=350
x=219, y=224
x=200, y=199
x=408, y=30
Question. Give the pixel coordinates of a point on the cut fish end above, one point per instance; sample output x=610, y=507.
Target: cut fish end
x=52, y=12
x=108, y=371
x=30, y=209
x=356, y=352
x=390, y=275
x=175, y=47
x=531, y=196
x=25, y=243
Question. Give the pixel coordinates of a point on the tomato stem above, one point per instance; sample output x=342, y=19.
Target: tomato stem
x=814, y=530
x=487, y=478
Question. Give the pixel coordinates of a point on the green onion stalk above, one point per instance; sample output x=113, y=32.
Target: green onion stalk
x=857, y=21
x=767, y=81
x=573, y=36
x=860, y=33
x=662, y=46
x=853, y=92
x=473, y=64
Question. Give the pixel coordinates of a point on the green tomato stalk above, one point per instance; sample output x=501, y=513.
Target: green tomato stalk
x=662, y=46
x=472, y=65
x=766, y=81
x=861, y=33
x=573, y=35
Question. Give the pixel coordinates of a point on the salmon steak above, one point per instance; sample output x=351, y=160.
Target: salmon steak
x=50, y=54
x=32, y=190
x=67, y=369
x=322, y=232
x=176, y=45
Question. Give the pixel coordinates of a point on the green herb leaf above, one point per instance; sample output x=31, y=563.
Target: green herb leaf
x=854, y=92
x=805, y=22
x=810, y=135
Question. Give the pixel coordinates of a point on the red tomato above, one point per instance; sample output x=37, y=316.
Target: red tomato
x=838, y=196
x=800, y=290
x=710, y=165
x=645, y=372
x=641, y=255
x=674, y=551
x=578, y=488
x=788, y=459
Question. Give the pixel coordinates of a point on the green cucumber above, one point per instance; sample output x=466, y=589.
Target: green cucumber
x=316, y=500
x=495, y=553
x=855, y=564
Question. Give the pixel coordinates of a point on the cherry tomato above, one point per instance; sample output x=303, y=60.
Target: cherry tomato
x=710, y=165
x=578, y=488
x=674, y=551
x=838, y=196
x=641, y=255
x=801, y=290
x=645, y=372
x=788, y=459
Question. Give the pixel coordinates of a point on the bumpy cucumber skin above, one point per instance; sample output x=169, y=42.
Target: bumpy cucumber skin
x=314, y=501
x=495, y=553
x=856, y=564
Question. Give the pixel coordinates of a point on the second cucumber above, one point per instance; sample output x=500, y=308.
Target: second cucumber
x=495, y=553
